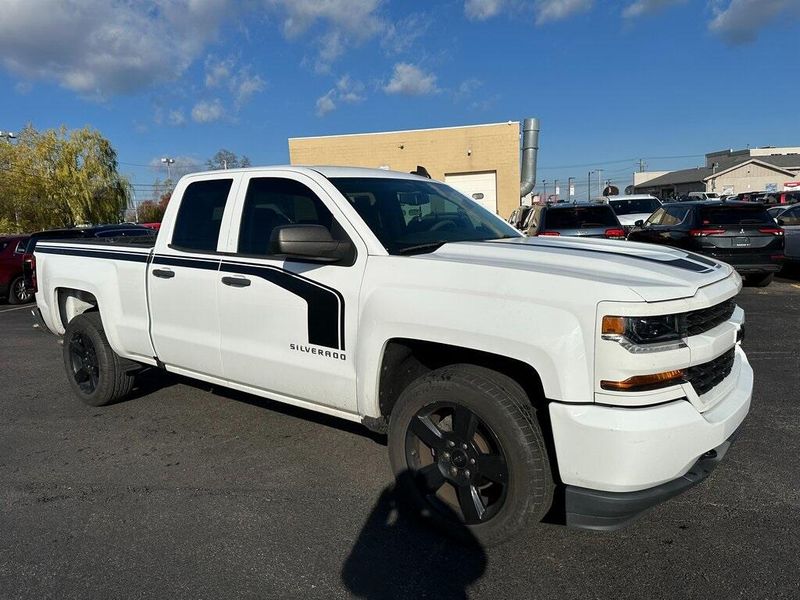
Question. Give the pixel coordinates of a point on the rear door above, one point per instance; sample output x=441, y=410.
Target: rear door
x=289, y=327
x=183, y=276
x=790, y=222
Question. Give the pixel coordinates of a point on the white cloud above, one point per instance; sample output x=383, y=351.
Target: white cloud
x=245, y=86
x=346, y=90
x=739, y=21
x=176, y=117
x=208, y=111
x=646, y=7
x=480, y=10
x=410, y=80
x=326, y=104
x=218, y=72
x=556, y=10
x=99, y=48
x=238, y=80
x=467, y=88
x=346, y=23
x=402, y=36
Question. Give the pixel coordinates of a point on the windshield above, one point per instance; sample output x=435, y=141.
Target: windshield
x=406, y=214
x=735, y=215
x=635, y=206
x=580, y=217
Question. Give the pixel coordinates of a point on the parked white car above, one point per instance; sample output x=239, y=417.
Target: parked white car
x=501, y=366
x=636, y=207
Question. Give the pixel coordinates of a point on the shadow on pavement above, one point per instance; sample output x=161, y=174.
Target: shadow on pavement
x=396, y=556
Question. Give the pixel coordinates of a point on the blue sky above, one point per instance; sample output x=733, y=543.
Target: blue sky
x=611, y=81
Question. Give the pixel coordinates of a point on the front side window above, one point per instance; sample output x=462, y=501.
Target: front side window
x=408, y=215
x=200, y=215
x=674, y=215
x=656, y=217
x=273, y=202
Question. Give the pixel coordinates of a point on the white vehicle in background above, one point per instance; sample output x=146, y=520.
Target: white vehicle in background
x=503, y=367
x=636, y=207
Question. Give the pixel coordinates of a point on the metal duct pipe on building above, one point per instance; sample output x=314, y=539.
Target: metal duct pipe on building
x=530, y=150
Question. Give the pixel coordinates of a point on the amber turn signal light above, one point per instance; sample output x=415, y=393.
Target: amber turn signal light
x=613, y=325
x=643, y=383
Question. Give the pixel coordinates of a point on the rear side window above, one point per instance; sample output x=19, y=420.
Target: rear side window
x=20, y=249
x=791, y=216
x=200, y=215
x=273, y=202
x=735, y=215
x=580, y=217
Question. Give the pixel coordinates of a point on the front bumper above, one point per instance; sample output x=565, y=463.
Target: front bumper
x=607, y=511
x=629, y=449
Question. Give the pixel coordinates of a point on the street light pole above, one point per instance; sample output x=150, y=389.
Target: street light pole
x=8, y=136
x=599, y=183
x=168, y=161
x=555, y=189
x=570, y=181
x=544, y=189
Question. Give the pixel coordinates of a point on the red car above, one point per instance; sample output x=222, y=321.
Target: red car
x=12, y=285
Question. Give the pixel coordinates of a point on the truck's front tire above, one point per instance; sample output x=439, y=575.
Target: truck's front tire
x=96, y=374
x=469, y=455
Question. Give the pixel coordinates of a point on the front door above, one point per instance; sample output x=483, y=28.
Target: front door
x=289, y=327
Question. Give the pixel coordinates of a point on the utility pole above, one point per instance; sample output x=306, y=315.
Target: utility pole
x=555, y=188
x=642, y=165
x=599, y=185
x=544, y=189
x=570, y=186
x=589, y=186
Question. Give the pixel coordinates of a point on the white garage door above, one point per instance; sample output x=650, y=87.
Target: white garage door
x=481, y=187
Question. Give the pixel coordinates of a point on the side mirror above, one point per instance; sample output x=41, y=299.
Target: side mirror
x=639, y=223
x=780, y=221
x=308, y=242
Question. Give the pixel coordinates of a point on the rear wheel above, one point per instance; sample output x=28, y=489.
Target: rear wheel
x=96, y=374
x=17, y=293
x=468, y=453
x=762, y=280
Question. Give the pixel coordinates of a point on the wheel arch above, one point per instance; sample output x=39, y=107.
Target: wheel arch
x=72, y=302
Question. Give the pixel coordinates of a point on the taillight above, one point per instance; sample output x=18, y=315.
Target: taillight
x=548, y=233
x=772, y=230
x=705, y=232
x=31, y=284
x=615, y=234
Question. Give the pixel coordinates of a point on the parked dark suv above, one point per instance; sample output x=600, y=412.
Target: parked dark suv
x=12, y=286
x=582, y=220
x=742, y=234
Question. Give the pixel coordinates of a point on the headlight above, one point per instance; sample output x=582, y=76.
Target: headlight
x=643, y=331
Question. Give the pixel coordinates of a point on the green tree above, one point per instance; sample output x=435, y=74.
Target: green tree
x=225, y=159
x=59, y=178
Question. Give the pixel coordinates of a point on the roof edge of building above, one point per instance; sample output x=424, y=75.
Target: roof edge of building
x=316, y=137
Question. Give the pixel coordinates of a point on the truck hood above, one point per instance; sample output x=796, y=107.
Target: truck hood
x=655, y=273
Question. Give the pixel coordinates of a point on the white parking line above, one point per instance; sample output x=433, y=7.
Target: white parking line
x=15, y=308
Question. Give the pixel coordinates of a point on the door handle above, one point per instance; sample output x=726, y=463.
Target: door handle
x=164, y=273
x=236, y=281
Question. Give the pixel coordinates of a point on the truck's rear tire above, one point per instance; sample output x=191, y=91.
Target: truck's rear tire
x=468, y=453
x=96, y=374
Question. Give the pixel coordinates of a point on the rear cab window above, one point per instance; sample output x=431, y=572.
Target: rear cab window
x=199, y=218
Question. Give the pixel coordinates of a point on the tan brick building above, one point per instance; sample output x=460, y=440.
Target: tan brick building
x=482, y=161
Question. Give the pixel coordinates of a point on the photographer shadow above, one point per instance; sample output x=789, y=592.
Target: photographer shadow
x=397, y=556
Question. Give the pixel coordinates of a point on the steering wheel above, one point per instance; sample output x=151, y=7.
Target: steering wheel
x=447, y=223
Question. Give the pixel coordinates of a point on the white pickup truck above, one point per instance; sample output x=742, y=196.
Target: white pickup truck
x=503, y=367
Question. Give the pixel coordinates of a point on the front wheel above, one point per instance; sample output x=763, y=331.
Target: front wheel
x=96, y=374
x=17, y=293
x=469, y=455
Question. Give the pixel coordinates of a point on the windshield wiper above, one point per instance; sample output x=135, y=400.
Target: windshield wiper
x=419, y=248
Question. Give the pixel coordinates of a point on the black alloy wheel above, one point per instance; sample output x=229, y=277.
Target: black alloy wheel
x=85, y=366
x=459, y=462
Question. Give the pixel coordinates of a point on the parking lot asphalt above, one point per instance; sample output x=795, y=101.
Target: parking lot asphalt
x=187, y=491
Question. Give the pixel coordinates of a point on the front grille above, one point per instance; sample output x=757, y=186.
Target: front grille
x=700, y=321
x=708, y=375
